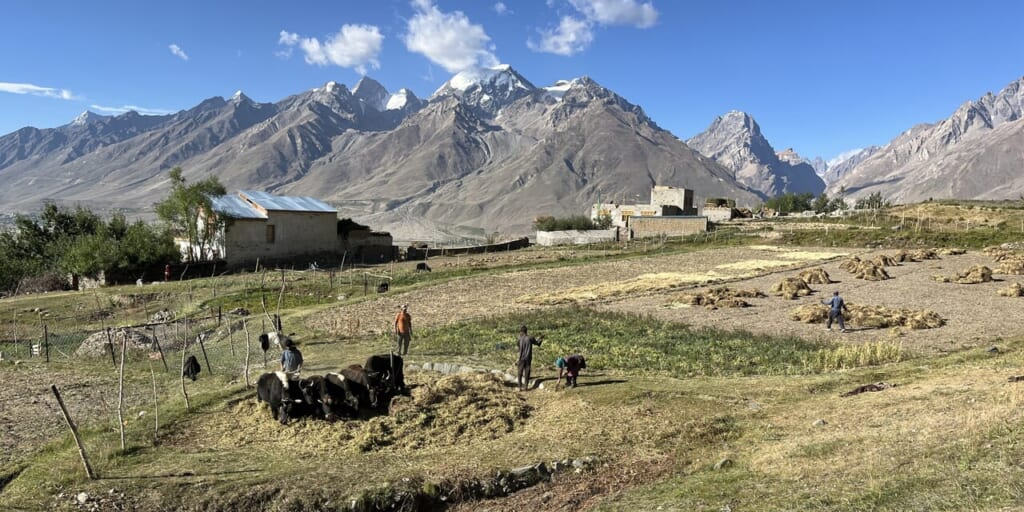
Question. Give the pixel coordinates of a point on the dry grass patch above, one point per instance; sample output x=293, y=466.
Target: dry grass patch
x=645, y=283
x=714, y=298
x=754, y=265
x=816, y=275
x=866, y=270
x=1014, y=290
x=450, y=410
x=879, y=317
x=791, y=288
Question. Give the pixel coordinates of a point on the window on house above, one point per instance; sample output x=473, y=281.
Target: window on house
x=270, y=234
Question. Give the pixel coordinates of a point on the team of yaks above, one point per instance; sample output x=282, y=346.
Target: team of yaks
x=353, y=392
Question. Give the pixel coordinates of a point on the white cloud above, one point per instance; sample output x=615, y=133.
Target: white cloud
x=287, y=38
x=618, y=12
x=36, y=90
x=501, y=9
x=449, y=40
x=570, y=37
x=354, y=46
x=126, y=108
x=178, y=52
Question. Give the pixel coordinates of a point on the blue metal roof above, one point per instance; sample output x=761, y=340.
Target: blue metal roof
x=288, y=203
x=235, y=207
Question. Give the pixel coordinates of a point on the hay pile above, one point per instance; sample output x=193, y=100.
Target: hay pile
x=949, y=251
x=791, y=288
x=866, y=270
x=453, y=409
x=815, y=275
x=97, y=345
x=884, y=260
x=1011, y=264
x=915, y=255
x=1014, y=290
x=714, y=298
x=974, y=275
x=879, y=317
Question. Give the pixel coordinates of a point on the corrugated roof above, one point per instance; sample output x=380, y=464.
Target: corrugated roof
x=288, y=203
x=235, y=207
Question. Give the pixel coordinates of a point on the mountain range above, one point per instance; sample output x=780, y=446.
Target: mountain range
x=488, y=151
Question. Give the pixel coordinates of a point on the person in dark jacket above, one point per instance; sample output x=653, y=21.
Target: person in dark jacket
x=526, y=344
x=291, y=358
x=835, y=313
x=569, y=366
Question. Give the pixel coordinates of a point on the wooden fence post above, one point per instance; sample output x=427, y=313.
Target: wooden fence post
x=181, y=369
x=156, y=406
x=74, y=432
x=46, y=342
x=207, y=359
x=248, y=346
x=120, y=388
x=160, y=349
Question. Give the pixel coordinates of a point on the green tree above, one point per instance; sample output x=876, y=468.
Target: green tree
x=790, y=202
x=188, y=210
x=872, y=202
x=821, y=203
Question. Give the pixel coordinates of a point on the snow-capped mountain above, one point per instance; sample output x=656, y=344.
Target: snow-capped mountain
x=488, y=151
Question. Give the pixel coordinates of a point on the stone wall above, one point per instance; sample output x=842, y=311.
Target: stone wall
x=643, y=227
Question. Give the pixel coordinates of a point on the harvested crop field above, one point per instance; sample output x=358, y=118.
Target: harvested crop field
x=646, y=285
x=598, y=282
x=967, y=310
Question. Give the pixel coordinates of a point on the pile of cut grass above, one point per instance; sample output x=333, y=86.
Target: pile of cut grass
x=866, y=270
x=1014, y=290
x=791, y=288
x=816, y=275
x=714, y=298
x=879, y=317
x=974, y=275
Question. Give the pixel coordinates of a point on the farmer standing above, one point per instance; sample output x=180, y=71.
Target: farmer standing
x=291, y=358
x=526, y=343
x=836, y=308
x=403, y=330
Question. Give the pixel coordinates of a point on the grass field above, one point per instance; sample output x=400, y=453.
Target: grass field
x=677, y=416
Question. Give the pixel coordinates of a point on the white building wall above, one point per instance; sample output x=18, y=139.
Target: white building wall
x=576, y=237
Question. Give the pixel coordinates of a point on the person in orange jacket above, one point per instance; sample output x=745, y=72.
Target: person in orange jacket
x=403, y=330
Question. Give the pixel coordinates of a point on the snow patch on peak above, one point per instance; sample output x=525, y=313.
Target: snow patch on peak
x=238, y=94
x=502, y=76
x=330, y=86
x=559, y=89
x=398, y=100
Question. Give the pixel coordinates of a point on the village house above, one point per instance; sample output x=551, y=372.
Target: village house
x=671, y=213
x=272, y=228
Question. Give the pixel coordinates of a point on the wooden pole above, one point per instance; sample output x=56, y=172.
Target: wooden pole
x=207, y=359
x=74, y=432
x=120, y=389
x=181, y=369
x=46, y=342
x=248, y=347
x=161, y=349
x=156, y=406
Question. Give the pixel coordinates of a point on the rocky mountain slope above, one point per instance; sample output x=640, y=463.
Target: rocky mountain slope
x=489, y=151
x=976, y=153
x=735, y=141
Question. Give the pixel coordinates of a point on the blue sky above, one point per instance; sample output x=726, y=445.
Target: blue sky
x=821, y=76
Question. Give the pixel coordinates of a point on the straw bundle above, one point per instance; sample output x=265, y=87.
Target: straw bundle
x=1014, y=290
x=866, y=270
x=791, y=288
x=815, y=275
